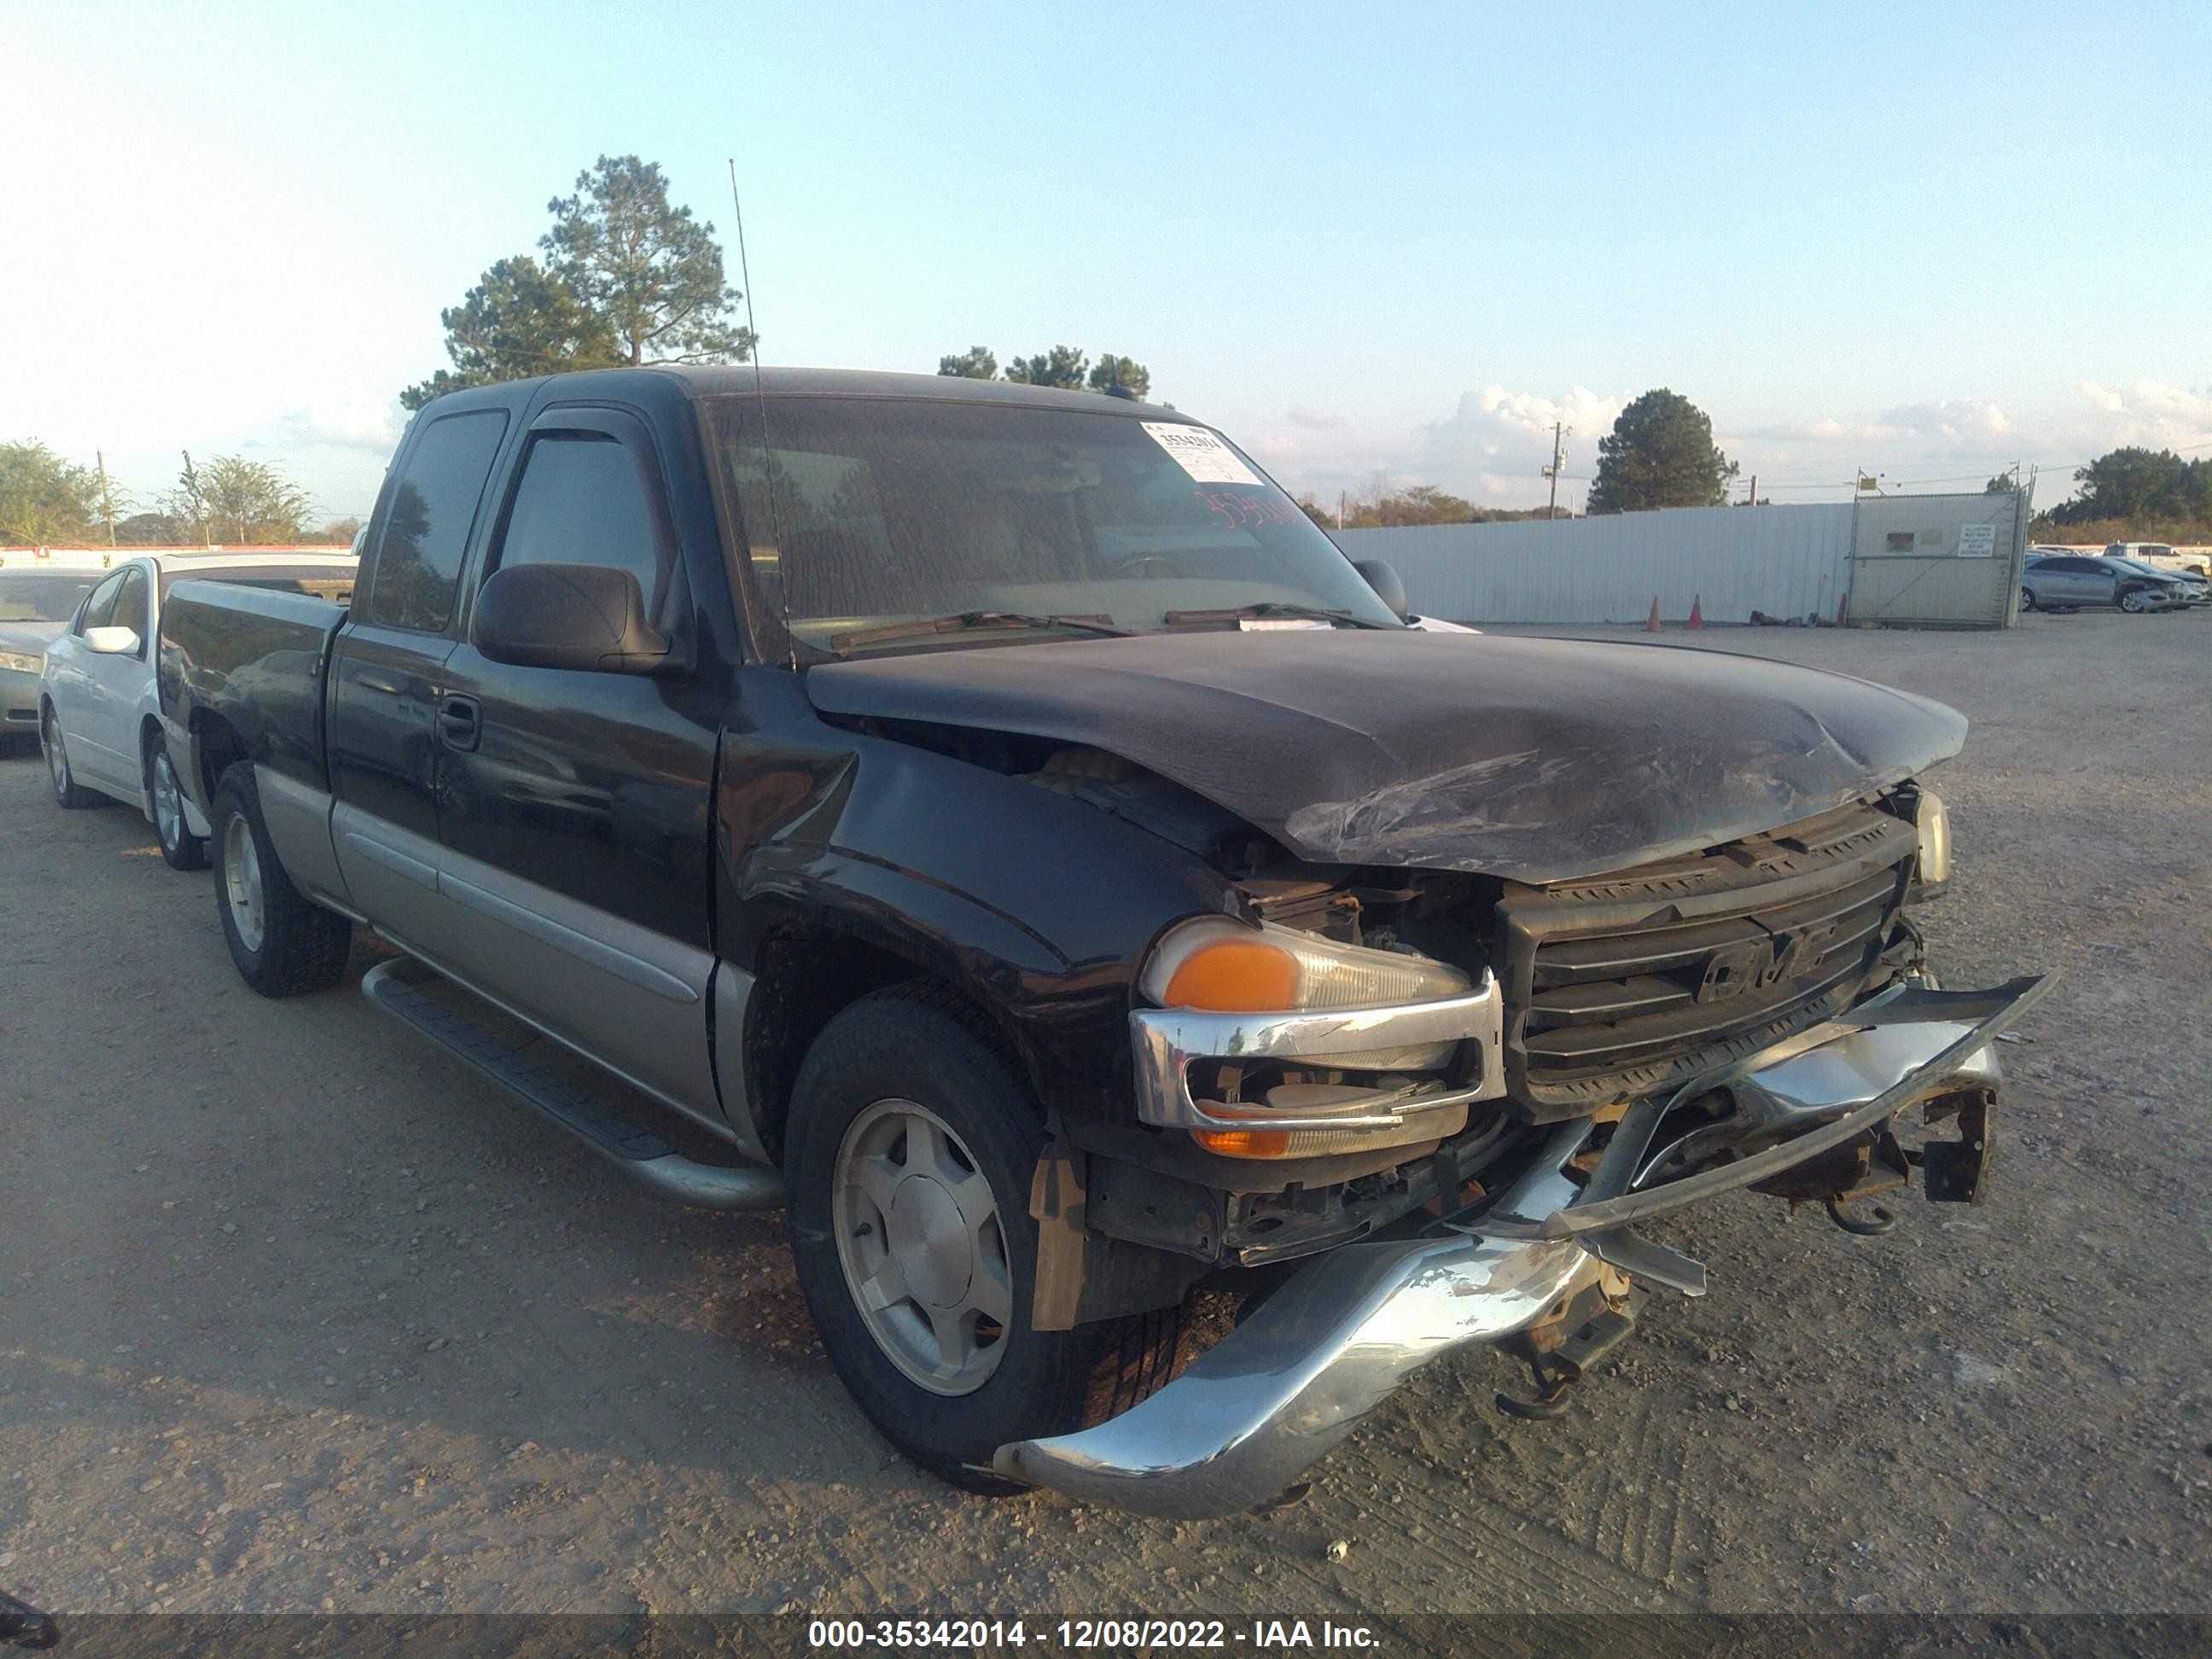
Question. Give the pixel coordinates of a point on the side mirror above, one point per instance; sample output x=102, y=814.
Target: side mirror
x=1385, y=581
x=589, y=617
x=112, y=642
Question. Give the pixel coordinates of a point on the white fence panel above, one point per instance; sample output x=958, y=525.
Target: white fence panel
x=1783, y=561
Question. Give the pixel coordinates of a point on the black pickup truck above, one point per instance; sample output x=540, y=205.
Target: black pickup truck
x=1012, y=829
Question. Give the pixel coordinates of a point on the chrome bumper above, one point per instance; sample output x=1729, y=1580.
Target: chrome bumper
x=1268, y=1401
x=1167, y=1039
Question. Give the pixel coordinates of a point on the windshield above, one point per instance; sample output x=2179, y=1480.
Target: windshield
x=891, y=511
x=42, y=596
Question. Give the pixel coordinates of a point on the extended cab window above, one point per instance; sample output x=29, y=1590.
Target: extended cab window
x=418, y=563
x=581, y=502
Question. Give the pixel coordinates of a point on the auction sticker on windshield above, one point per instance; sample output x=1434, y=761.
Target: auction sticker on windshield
x=1200, y=454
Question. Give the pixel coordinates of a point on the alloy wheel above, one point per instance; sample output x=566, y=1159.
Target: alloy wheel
x=58, y=767
x=923, y=1250
x=168, y=804
x=241, y=881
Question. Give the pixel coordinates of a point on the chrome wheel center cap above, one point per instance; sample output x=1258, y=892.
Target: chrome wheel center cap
x=929, y=1236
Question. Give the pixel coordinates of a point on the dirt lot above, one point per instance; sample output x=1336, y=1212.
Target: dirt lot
x=298, y=1314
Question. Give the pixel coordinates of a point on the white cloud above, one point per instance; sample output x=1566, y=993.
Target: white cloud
x=1314, y=417
x=1275, y=448
x=360, y=425
x=1496, y=444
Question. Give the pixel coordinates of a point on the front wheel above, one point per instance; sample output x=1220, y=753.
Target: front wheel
x=69, y=794
x=911, y=1151
x=2027, y=598
x=181, y=849
x=283, y=942
x=2133, y=602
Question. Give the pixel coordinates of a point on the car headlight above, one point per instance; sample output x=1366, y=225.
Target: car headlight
x=1230, y=967
x=1224, y=966
x=1934, y=823
x=19, y=662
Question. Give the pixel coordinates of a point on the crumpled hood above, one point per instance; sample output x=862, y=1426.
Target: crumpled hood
x=1534, y=759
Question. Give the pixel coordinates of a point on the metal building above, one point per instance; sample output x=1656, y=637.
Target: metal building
x=1925, y=561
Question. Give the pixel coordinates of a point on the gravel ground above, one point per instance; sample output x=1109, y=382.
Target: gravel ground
x=298, y=1315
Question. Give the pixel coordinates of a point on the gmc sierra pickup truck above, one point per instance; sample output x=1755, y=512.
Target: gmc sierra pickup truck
x=1007, y=825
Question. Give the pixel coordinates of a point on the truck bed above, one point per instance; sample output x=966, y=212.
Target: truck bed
x=252, y=659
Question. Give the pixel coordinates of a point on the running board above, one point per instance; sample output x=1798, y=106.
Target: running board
x=400, y=987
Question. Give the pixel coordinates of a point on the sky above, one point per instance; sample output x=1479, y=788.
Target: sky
x=1369, y=242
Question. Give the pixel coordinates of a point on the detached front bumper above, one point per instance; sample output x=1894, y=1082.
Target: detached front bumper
x=1268, y=1401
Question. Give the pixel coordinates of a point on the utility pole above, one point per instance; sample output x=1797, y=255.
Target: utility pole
x=1558, y=430
x=106, y=499
x=1340, y=509
x=1754, y=502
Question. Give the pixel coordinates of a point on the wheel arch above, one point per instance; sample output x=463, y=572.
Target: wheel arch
x=808, y=969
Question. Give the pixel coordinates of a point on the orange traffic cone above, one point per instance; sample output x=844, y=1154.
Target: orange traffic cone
x=1697, y=610
x=1651, y=623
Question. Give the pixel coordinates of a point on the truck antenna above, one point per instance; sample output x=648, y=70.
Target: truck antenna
x=760, y=397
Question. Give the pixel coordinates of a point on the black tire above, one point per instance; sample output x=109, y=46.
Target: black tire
x=68, y=793
x=284, y=942
x=917, y=1043
x=2027, y=598
x=181, y=849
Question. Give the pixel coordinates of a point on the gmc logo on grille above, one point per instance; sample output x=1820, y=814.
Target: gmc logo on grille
x=1760, y=964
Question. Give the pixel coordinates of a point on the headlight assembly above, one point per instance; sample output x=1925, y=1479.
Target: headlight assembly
x=1227, y=966
x=20, y=663
x=1224, y=966
x=1934, y=823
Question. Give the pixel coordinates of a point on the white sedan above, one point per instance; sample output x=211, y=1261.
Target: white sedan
x=99, y=706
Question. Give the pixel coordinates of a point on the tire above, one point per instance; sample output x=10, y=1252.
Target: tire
x=181, y=849
x=2027, y=598
x=908, y=1056
x=69, y=794
x=2132, y=601
x=284, y=943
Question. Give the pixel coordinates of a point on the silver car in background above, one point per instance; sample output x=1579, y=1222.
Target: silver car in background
x=2072, y=581
x=36, y=603
x=99, y=710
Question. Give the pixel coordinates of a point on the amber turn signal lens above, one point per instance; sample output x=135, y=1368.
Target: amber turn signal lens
x=1244, y=1142
x=1236, y=976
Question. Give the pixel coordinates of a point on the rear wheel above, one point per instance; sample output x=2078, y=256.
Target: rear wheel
x=911, y=1151
x=2027, y=598
x=67, y=791
x=181, y=849
x=283, y=942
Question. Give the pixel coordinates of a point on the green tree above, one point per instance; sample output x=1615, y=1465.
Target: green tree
x=236, y=500
x=2004, y=484
x=976, y=363
x=520, y=319
x=1126, y=372
x=651, y=271
x=150, y=529
x=1063, y=366
x=2133, y=483
x=47, y=501
x=1660, y=453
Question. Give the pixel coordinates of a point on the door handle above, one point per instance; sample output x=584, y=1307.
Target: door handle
x=460, y=722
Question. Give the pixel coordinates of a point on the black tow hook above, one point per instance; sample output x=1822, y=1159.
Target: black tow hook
x=22, y=1625
x=1880, y=1219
